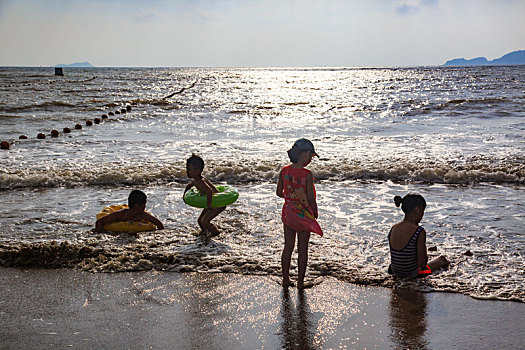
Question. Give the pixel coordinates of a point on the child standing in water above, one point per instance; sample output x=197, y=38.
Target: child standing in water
x=194, y=168
x=407, y=240
x=299, y=213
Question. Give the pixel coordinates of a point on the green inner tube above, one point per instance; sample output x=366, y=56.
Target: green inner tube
x=226, y=196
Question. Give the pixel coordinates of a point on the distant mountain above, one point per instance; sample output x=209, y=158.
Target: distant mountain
x=77, y=65
x=515, y=57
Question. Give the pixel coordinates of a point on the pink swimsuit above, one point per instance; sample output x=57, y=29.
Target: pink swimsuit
x=297, y=213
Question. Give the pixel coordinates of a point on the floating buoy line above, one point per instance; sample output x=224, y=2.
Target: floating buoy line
x=5, y=145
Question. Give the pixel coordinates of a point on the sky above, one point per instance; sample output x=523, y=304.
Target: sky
x=257, y=33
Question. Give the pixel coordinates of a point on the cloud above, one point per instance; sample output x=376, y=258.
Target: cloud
x=406, y=9
x=410, y=7
x=149, y=17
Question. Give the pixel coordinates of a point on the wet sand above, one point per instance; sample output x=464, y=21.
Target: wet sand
x=43, y=309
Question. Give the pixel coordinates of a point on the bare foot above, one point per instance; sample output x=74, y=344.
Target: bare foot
x=213, y=231
x=305, y=285
x=444, y=261
x=309, y=283
x=438, y=263
x=287, y=284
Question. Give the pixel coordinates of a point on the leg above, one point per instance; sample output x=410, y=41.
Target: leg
x=302, y=246
x=438, y=263
x=286, y=257
x=208, y=217
x=200, y=222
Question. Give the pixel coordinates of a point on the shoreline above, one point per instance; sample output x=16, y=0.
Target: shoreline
x=43, y=308
x=123, y=258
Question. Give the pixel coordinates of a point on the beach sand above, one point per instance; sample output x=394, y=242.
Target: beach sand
x=46, y=309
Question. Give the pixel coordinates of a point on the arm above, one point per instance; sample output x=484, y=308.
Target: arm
x=280, y=186
x=422, y=257
x=108, y=219
x=99, y=225
x=206, y=190
x=210, y=185
x=151, y=218
x=310, y=193
x=188, y=186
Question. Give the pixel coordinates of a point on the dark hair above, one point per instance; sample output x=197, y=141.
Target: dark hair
x=294, y=153
x=196, y=161
x=409, y=202
x=300, y=146
x=136, y=197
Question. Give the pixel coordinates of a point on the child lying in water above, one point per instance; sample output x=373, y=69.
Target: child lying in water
x=136, y=212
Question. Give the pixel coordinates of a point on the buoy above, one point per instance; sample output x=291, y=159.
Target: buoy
x=117, y=112
x=111, y=113
x=128, y=108
x=54, y=133
x=22, y=137
x=89, y=123
x=96, y=120
x=78, y=126
x=4, y=145
x=40, y=136
x=66, y=130
x=104, y=116
x=123, y=111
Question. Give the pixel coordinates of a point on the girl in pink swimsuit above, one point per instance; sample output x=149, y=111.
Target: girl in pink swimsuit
x=299, y=211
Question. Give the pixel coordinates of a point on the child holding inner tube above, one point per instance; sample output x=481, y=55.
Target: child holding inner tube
x=299, y=213
x=408, y=250
x=136, y=212
x=194, y=168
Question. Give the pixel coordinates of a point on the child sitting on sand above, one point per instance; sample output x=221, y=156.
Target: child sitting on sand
x=299, y=211
x=136, y=212
x=194, y=168
x=408, y=250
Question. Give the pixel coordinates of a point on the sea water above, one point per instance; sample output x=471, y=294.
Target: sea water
x=454, y=135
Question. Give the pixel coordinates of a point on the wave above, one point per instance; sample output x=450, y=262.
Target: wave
x=45, y=81
x=509, y=171
x=49, y=106
x=140, y=257
x=461, y=105
x=9, y=116
x=104, y=176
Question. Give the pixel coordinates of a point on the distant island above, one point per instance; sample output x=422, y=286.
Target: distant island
x=515, y=57
x=76, y=65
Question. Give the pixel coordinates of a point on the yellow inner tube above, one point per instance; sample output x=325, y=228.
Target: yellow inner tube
x=124, y=226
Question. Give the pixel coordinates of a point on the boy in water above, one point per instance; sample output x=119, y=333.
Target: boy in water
x=136, y=212
x=194, y=168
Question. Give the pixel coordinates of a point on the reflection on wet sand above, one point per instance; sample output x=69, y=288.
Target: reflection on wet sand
x=408, y=325
x=297, y=326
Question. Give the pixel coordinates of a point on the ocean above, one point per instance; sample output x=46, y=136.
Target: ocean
x=454, y=135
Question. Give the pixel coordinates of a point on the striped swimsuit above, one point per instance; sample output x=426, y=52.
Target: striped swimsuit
x=404, y=261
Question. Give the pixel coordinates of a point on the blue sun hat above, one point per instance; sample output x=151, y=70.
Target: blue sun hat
x=305, y=145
